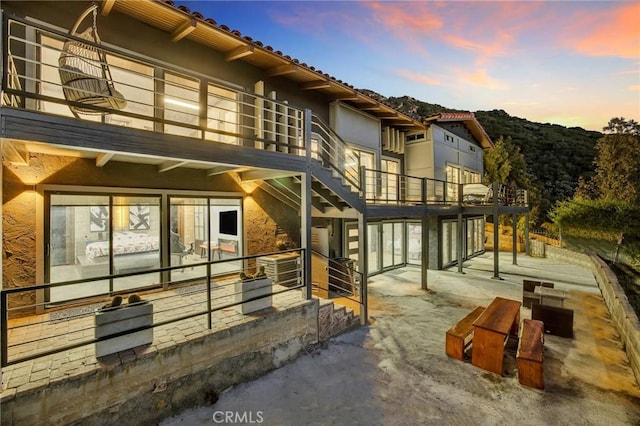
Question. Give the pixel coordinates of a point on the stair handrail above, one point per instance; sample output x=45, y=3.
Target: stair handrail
x=357, y=281
x=327, y=146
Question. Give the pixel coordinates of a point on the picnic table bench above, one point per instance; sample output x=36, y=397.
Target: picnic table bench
x=491, y=331
x=529, y=357
x=459, y=337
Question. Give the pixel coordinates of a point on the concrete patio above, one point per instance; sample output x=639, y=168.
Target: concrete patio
x=396, y=372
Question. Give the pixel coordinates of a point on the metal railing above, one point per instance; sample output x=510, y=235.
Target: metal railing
x=400, y=189
x=343, y=279
x=329, y=148
x=27, y=335
x=157, y=97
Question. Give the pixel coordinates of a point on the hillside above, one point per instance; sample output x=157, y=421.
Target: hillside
x=556, y=155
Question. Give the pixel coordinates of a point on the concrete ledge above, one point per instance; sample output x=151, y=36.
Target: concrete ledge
x=146, y=390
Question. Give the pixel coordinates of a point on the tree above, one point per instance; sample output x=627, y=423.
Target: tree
x=618, y=125
x=496, y=163
x=617, y=164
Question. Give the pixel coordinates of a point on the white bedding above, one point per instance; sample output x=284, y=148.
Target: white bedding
x=123, y=243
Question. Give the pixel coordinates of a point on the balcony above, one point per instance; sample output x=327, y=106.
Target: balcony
x=70, y=76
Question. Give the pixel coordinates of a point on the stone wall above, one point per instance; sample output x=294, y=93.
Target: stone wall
x=268, y=223
x=623, y=315
x=618, y=305
x=146, y=390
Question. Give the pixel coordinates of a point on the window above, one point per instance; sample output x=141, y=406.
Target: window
x=453, y=179
x=389, y=181
x=181, y=105
x=222, y=115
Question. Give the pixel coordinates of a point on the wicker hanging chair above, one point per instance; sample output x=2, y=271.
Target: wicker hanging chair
x=84, y=71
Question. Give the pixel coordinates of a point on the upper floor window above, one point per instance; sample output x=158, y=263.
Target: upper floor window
x=181, y=105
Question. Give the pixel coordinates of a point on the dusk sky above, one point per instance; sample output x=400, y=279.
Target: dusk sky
x=575, y=63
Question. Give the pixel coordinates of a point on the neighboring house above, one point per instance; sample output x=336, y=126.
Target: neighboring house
x=176, y=140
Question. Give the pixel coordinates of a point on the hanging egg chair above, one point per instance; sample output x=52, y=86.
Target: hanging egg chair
x=84, y=71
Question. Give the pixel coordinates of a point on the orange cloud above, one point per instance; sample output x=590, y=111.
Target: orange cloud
x=615, y=32
x=635, y=88
x=480, y=77
x=417, y=20
x=419, y=78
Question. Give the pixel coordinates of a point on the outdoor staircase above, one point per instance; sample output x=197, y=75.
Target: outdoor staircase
x=335, y=319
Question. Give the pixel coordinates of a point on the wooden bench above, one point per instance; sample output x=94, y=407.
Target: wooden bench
x=529, y=357
x=557, y=321
x=528, y=295
x=459, y=336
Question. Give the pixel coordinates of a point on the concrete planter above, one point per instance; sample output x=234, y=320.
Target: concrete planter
x=127, y=317
x=249, y=289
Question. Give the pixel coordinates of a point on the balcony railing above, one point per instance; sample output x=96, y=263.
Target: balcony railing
x=44, y=74
x=385, y=188
x=27, y=335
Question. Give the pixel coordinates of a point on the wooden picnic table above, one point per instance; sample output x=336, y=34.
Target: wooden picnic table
x=490, y=332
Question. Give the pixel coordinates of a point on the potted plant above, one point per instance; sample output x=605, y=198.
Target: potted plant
x=116, y=317
x=250, y=287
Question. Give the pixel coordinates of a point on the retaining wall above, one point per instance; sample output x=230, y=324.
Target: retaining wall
x=146, y=390
x=623, y=315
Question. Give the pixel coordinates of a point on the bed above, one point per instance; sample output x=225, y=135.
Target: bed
x=132, y=252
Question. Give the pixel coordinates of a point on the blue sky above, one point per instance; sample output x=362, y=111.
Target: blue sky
x=575, y=63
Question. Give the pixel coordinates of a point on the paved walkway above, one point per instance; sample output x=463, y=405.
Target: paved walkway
x=396, y=372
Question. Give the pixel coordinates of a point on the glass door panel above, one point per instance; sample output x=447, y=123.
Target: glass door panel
x=78, y=244
x=414, y=239
x=374, y=253
x=136, y=240
x=398, y=243
x=225, y=234
x=188, y=242
x=387, y=245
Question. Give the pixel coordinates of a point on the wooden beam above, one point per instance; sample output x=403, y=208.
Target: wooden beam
x=170, y=165
x=239, y=52
x=218, y=170
x=104, y=158
x=184, y=30
x=352, y=97
x=15, y=152
x=371, y=108
x=263, y=174
x=314, y=85
x=282, y=70
x=106, y=7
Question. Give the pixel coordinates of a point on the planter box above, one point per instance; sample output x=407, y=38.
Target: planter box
x=127, y=317
x=249, y=289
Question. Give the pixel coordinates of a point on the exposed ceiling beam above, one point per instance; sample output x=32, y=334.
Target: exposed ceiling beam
x=282, y=70
x=104, y=158
x=170, y=165
x=352, y=97
x=15, y=152
x=314, y=85
x=106, y=7
x=184, y=30
x=239, y=52
x=371, y=108
x=262, y=174
x=218, y=170
x=387, y=117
